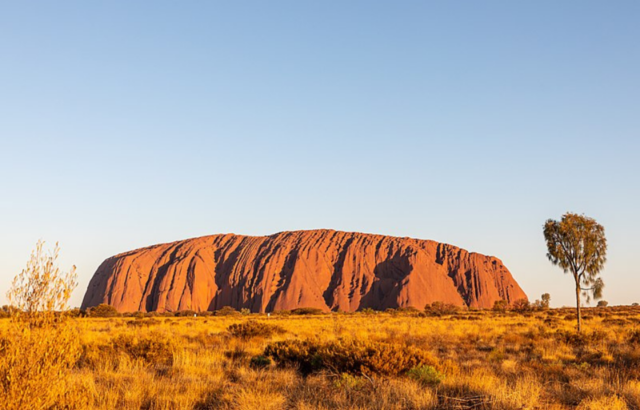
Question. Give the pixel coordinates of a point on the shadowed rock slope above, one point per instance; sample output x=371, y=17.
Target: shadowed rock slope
x=325, y=269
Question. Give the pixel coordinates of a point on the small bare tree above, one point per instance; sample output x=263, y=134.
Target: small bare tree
x=42, y=344
x=578, y=245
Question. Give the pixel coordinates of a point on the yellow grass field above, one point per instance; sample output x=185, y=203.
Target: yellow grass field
x=475, y=360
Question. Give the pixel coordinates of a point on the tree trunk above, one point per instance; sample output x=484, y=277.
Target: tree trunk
x=578, y=307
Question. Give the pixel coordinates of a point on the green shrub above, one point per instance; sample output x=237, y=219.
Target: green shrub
x=440, y=309
x=347, y=356
x=227, y=311
x=349, y=382
x=260, y=362
x=250, y=329
x=500, y=306
x=426, y=375
x=307, y=311
x=102, y=310
x=75, y=313
x=281, y=312
x=404, y=311
x=522, y=305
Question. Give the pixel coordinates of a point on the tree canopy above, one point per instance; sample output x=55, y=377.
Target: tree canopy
x=578, y=245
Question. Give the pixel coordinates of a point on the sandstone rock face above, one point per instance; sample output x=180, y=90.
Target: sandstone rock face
x=324, y=269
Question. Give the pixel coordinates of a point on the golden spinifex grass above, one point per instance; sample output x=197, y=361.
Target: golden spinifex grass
x=472, y=359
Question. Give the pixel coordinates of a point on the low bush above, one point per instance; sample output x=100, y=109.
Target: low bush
x=251, y=329
x=307, y=311
x=440, y=309
x=347, y=356
x=404, y=311
x=227, y=311
x=426, y=375
x=260, y=362
x=185, y=313
x=348, y=382
x=522, y=305
x=500, y=306
x=75, y=313
x=102, y=310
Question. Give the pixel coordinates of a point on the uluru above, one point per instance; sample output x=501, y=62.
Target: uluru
x=325, y=269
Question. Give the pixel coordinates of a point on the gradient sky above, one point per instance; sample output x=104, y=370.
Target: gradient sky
x=125, y=124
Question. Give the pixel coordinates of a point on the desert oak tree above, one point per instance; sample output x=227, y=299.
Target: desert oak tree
x=578, y=245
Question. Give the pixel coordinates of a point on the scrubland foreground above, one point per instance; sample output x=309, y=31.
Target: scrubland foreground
x=396, y=360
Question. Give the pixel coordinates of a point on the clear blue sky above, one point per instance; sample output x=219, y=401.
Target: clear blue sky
x=124, y=124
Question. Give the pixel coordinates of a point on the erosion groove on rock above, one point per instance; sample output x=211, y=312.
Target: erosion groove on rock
x=324, y=269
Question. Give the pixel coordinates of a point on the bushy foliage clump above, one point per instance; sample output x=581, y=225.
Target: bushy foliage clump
x=404, y=311
x=260, y=362
x=348, y=356
x=522, y=305
x=426, y=375
x=251, y=329
x=543, y=303
x=348, y=382
x=441, y=309
x=102, y=310
x=500, y=306
x=226, y=311
x=307, y=311
x=185, y=313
